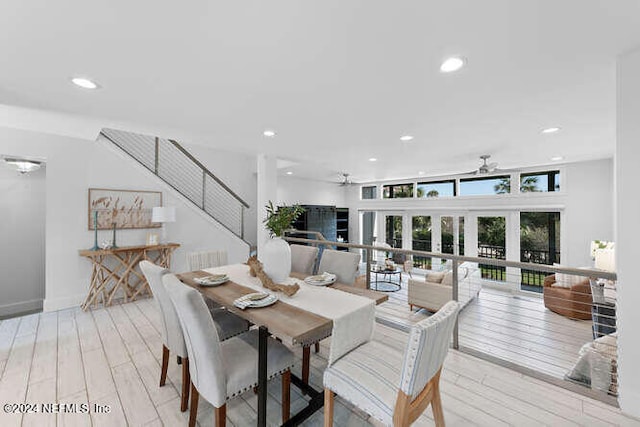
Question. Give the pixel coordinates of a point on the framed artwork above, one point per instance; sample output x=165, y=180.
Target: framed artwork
x=128, y=209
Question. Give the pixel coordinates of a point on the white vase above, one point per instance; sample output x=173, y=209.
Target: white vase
x=276, y=259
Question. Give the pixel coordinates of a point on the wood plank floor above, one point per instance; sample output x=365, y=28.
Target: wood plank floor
x=112, y=357
x=513, y=327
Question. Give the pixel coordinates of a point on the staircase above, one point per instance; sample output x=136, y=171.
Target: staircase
x=172, y=163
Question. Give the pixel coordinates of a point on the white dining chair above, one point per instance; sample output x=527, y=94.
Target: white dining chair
x=226, y=323
x=393, y=388
x=341, y=263
x=206, y=259
x=303, y=258
x=223, y=369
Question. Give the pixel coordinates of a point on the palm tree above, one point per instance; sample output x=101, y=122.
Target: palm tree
x=529, y=184
x=503, y=186
x=433, y=193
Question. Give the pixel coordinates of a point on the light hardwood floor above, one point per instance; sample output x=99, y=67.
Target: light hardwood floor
x=112, y=357
x=513, y=327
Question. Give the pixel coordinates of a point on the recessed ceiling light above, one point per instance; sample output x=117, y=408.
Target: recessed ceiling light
x=420, y=172
x=373, y=159
x=557, y=158
x=289, y=173
x=84, y=83
x=452, y=64
x=406, y=138
x=551, y=130
x=269, y=133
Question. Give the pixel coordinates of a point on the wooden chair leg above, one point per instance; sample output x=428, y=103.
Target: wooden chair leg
x=317, y=347
x=328, y=407
x=186, y=383
x=286, y=396
x=165, y=365
x=193, y=412
x=221, y=415
x=306, y=356
x=436, y=405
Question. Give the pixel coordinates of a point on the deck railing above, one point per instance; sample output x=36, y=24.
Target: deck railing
x=172, y=163
x=535, y=336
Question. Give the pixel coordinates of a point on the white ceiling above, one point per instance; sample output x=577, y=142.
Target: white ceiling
x=340, y=81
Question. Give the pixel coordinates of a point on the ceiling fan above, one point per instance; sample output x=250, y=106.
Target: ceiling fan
x=485, y=168
x=345, y=180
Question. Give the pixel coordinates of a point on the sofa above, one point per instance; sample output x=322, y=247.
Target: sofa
x=569, y=297
x=436, y=288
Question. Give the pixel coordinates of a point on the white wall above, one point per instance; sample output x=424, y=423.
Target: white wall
x=628, y=232
x=22, y=227
x=585, y=200
x=293, y=190
x=73, y=166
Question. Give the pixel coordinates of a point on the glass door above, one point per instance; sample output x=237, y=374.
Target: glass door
x=421, y=240
x=539, y=244
x=492, y=244
x=393, y=230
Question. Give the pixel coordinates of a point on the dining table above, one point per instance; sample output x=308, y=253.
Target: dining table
x=312, y=314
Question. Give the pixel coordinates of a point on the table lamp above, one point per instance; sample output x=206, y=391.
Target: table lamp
x=163, y=214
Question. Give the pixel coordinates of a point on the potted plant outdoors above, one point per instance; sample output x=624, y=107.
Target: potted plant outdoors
x=276, y=256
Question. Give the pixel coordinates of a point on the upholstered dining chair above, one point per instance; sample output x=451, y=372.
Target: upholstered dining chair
x=227, y=324
x=303, y=258
x=341, y=263
x=371, y=379
x=223, y=369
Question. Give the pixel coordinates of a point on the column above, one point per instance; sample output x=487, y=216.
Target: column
x=267, y=183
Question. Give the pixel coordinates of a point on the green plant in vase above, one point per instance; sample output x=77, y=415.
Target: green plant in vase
x=281, y=218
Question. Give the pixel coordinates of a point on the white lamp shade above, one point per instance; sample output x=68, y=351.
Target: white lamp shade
x=163, y=214
x=605, y=259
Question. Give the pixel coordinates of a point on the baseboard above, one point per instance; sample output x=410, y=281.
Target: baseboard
x=20, y=307
x=55, y=304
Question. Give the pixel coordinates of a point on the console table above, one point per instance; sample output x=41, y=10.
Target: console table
x=114, y=269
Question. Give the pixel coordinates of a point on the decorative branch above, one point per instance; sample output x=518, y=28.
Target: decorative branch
x=256, y=270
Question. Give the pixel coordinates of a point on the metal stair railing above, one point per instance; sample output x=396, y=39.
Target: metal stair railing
x=172, y=163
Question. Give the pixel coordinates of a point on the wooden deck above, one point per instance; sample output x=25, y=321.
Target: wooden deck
x=112, y=357
x=513, y=327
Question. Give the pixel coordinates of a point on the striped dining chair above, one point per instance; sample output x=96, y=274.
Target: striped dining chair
x=227, y=324
x=370, y=377
x=206, y=259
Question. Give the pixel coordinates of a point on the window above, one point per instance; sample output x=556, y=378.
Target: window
x=437, y=189
x=484, y=186
x=369, y=192
x=539, y=182
x=397, y=191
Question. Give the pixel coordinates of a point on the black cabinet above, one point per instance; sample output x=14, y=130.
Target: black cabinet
x=342, y=226
x=332, y=222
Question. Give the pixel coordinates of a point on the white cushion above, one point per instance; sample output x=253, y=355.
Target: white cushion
x=567, y=280
x=434, y=276
x=448, y=278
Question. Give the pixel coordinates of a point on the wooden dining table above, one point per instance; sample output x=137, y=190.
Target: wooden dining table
x=286, y=322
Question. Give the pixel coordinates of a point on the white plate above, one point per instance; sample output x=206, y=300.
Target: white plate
x=213, y=280
x=320, y=279
x=246, y=302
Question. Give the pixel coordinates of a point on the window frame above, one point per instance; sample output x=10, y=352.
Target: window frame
x=485, y=178
x=410, y=184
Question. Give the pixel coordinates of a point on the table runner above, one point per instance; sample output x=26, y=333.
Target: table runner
x=353, y=316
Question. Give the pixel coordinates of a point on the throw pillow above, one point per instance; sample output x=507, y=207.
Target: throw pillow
x=567, y=280
x=448, y=278
x=435, y=276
